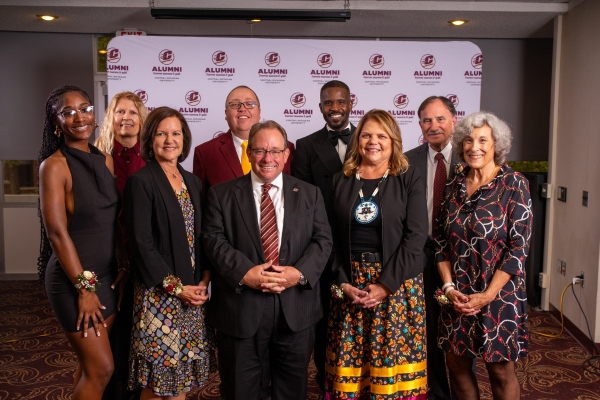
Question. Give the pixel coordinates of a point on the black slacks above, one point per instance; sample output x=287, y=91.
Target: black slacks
x=241, y=360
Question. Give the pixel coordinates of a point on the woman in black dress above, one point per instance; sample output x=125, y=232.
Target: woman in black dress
x=79, y=203
x=482, y=235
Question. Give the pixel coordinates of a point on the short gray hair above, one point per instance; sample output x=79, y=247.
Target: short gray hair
x=500, y=133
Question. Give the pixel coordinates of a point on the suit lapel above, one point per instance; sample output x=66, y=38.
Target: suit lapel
x=245, y=200
x=326, y=152
x=230, y=154
x=291, y=196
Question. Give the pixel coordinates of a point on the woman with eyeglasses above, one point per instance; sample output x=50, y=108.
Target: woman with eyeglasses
x=79, y=204
x=172, y=351
x=482, y=239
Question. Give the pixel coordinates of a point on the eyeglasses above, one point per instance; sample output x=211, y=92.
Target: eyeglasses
x=260, y=153
x=70, y=114
x=236, y=105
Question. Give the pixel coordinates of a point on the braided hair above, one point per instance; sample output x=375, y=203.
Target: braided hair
x=50, y=143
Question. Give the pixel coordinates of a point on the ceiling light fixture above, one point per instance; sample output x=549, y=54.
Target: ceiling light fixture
x=47, y=17
x=458, y=22
x=249, y=15
x=102, y=51
x=255, y=20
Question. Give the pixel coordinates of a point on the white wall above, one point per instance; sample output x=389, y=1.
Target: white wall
x=21, y=240
x=576, y=229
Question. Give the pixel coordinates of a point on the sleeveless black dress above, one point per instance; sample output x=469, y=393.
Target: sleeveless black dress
x=92, y=231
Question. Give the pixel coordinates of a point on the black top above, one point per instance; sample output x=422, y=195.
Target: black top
x=366, y=237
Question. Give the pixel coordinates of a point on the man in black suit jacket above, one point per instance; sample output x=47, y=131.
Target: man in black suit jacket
x=259, y=303
x=317, y=158
x=437, y=117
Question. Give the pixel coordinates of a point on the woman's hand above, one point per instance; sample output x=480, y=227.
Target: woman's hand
x=376, y=294
x=193, y=295
x=89, y=307
x=354, y=293
x=459, y=301
x=119, y=283
x=476, y=302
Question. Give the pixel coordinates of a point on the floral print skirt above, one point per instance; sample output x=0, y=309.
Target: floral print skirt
x=378, y=353
x=172, y=350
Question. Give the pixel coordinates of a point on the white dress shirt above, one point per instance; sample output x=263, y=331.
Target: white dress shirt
x=276, y=193
x=341, y=146
x=431, y=167
x=237, y=143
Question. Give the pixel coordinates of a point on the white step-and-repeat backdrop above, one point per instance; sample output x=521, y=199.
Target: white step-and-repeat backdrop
x=195, y=74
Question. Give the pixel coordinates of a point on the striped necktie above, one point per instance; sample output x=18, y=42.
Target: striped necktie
x=268, y=226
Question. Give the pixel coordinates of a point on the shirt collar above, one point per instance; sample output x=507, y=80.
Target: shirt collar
x=118, y=147
x=237, y=141
x=331, y=129
x=446, y=152
x=257, y=183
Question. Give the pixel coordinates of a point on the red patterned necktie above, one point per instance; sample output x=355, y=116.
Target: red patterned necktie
x=268, y=226
x=439, y=185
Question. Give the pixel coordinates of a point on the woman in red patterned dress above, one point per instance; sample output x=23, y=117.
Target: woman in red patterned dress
x=482, y=236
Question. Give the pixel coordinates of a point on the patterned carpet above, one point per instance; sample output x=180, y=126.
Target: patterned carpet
x=36, y=361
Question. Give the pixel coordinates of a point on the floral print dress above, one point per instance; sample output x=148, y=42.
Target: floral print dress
x=480, y=234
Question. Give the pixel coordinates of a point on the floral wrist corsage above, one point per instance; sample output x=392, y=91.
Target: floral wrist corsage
x=88, y=281
x=172, y=285
x=337, y=292
x=441, y=298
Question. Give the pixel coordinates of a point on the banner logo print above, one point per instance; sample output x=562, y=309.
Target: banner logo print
x=324, y=60
x=427, y=61
x=353, y=100
x=113, y=55
x=298, y=99
x=142, y=94
x=477, y=61
x=453, y=98
x=166, y=56
x=376, y=61
x=272, y=59
x=192, y=98
x=401, y=100
x=219, y=58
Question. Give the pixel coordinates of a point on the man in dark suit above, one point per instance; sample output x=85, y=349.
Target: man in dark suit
x=435, y=161
x=224, y=158
x=318, y=157
x=267, y=260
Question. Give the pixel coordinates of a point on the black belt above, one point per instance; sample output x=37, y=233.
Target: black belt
x=430, y=244
x=366, y=257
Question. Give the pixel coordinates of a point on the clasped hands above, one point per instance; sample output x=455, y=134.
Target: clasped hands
x=271, y=278
x=468, y=305
x=194, y=295
x=371, y=296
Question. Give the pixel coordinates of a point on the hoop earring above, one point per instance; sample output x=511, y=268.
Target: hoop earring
x=96, y=125
x=57, y=131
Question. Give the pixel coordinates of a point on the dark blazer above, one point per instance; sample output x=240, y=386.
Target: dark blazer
x=217, y=161
x=232, y=243
x=316, y=160
x=418, y=158
x=156, y=228
x=404, y=226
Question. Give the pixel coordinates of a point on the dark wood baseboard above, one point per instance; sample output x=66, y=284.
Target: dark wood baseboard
x=577, y=334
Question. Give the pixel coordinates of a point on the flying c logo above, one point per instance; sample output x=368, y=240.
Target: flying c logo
x=376, y=61
x=113, y=55
x=166, y=56
x=453, y=98
x=477, y=61
x=298, y=99
x=427, y=61
x=353, y=100
x=192, y=98
x=272, y=59
x=142, y=94
x=324, y=60
x=401, y=100
x=219, y=58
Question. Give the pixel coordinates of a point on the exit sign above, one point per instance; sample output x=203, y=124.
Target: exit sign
x=130, y=32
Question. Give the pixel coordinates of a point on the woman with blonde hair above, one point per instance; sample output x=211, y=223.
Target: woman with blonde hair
x=120, y=134
x=376, y=337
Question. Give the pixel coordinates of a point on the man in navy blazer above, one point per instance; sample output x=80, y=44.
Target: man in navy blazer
x=318, y=157
x=219, y=159
x=265, y=308
x=437, y=118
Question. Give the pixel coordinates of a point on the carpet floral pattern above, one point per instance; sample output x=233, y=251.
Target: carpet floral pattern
x=36, y=361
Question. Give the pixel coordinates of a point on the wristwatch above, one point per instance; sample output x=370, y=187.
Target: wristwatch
x=302, y=281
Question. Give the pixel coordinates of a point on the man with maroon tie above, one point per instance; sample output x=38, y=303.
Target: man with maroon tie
x=268, y=239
